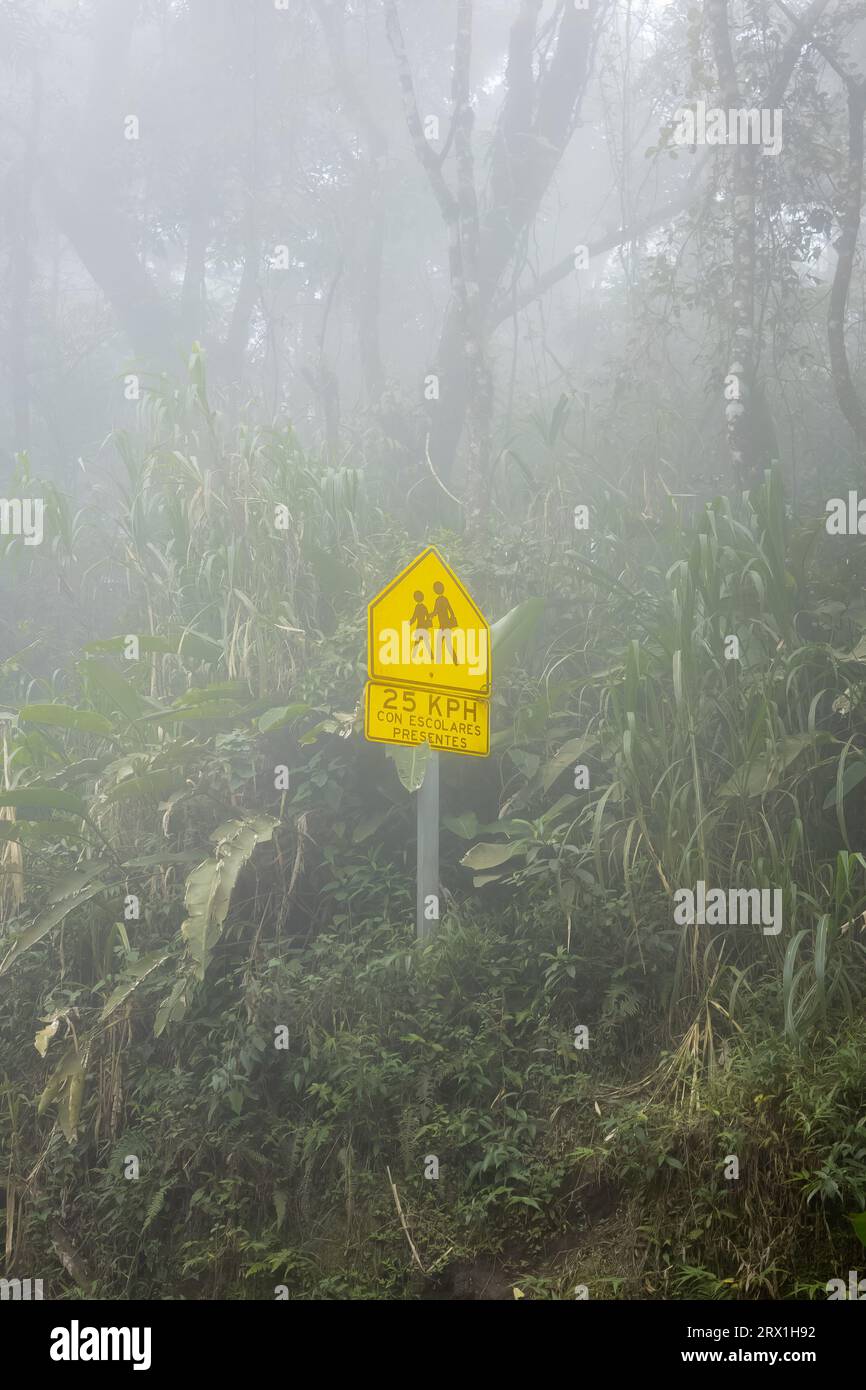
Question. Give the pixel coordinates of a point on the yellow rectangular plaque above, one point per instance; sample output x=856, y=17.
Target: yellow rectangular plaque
x=407, y=715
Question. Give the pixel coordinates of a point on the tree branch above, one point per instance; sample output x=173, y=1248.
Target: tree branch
x=798, y=39
x=441, y=191
x=504, y=308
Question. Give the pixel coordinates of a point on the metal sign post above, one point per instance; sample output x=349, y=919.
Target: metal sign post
x=427, y=901
x=430, y=682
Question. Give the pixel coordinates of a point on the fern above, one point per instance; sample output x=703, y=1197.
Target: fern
x=155, y=1206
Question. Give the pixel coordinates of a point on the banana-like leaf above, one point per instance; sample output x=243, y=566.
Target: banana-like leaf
x=853, y=776
x=69, y=1109
x=465, y=825
x=134, y=974
x=148, y=786
x=282, y=714
x=67, y=1081
x=64, y=1069
x=30, y=832
x=46, y=921
x=44, y=1036
x=26, y=799
x=173, y=1008
x=101, y=677
x=210, y=886
x=858, y=1221
x=514, y=629
x=487, y=856
x=763, y=773
x=574, y=749
x=208, y=709
x=86, y=721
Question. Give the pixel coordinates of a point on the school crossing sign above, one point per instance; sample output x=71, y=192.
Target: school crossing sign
x=428, y=658
x=425, y=630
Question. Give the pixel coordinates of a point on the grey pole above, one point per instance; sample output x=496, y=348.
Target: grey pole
x=427, y=902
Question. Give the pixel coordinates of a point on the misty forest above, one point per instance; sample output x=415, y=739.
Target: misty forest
x=573, y=291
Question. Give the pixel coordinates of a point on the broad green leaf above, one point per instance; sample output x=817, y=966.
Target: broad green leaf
x=507, y=825
x=69, y=885
x=763, y=773
x=510, y=633
x=69, y=1108
x=411, y=764
x=216, y=690
x=369, y=825
x=42, y=799
x=465, y=826
x=486, y=856
x=31, y=832
x=208, y=709
x=210, y=886
x=57, y=1078
x=87, y=721
x=46, y=921
x=158, y=861
x=526, y=763
x=326, y=726
x=44, y=1036
x=151, y=786
x=134, y=974
x=72, y=891
x=858, y=1221
x=854, y=774
x=280, y=1205
x=101, y=676
x=174, y=1006
x=280, y=715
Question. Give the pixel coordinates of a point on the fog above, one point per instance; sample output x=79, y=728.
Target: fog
x=245, y=176
x=433, y=664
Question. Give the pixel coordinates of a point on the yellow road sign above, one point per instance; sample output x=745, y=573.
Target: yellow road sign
x=406, y=715
x=423, y=629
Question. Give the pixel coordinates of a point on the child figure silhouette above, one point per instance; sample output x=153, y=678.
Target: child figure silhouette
x=422, y=619
x=444, y=613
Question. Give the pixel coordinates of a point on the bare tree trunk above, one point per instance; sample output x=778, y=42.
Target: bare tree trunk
x=469, y=284
x=19, y=203
x=743, y=353
x=332, y=18
x=852, y=196
x=323, y=378
x=747, y=417
x=851, y=200
x=83, y=194
x=232, y=353
x=740, y=414
x=192, y=296
x=370, y=296
x=536, y=124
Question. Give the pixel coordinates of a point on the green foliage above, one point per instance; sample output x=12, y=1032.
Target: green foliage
x=171, y=908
